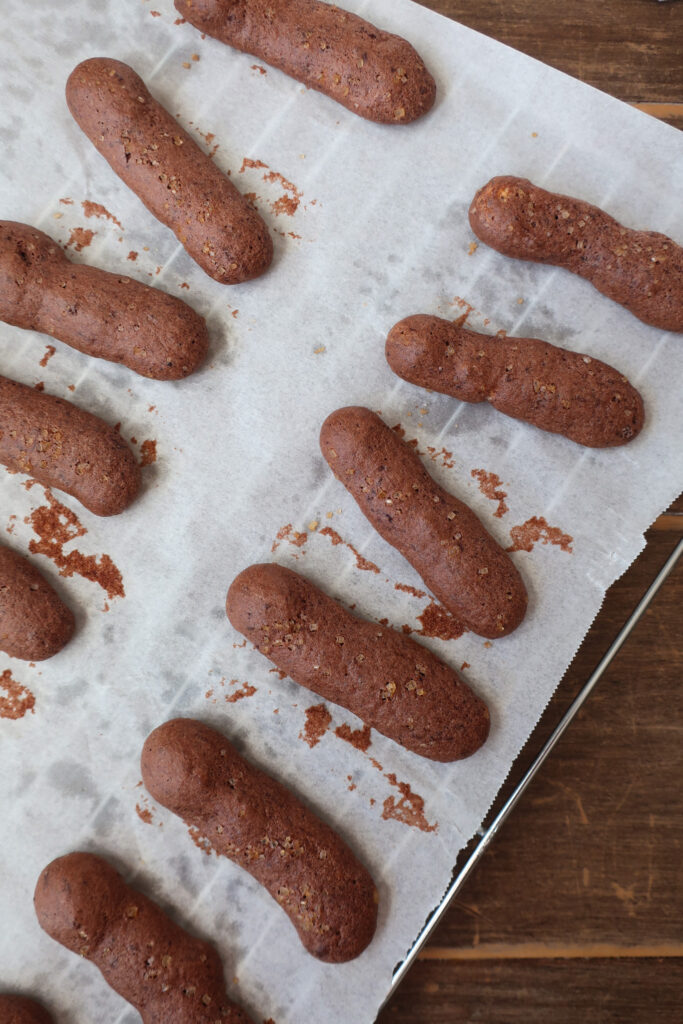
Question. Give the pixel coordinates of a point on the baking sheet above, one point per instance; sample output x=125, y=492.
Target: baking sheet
x=370, y=225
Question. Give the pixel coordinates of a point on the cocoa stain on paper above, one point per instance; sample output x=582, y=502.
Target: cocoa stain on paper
x=537, y=529
x=361, y=562
x=55, y=525
x=490, y=486
x=358, y=738
x=148, y=452
x=409, y=809
x=318, y=719
x=49, y=352
x=80, y=238
x=91, y=209
x=290, y=200
x=17, y=700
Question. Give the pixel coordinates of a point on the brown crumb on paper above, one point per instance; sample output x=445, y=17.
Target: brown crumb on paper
x=91, y=209
x=407, y=589
x=132, y=256
x=362, y=563
x=148, y=452
x=472, y=248
x=17, y=700
x=489, y=485
x=289, y=534
x=56, y=525
x=245, y=690
x=80, y=238
x=67, y=202
x=529, y=533
x=437, y=622
x=257, y=67
x=144, y=814
x=318, y=719
x=49, y=352
x=409, y=809
x=358, y=738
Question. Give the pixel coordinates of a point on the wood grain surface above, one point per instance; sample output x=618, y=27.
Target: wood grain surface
x=575, y=912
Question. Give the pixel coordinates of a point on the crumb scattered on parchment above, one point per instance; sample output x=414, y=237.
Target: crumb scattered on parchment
x=180, y=21
x=67, y=201
x=56, y=525
x=472, y=248
x=155, y=14
x=80, y=238
x=257, y=67
x=186, y=64
x=148, y=452
x=362, y=563
x=409, y=809
x=319, y=350
x=490, y=486
x=463, y=304
x=407, y=589
x=11, y=523
x=318, y=719
x=437, y=622
x=288, y=533
x=288, y=203
x=278, y=672
x=132, y=256
x=536, y=529
x=49, y=352
x=534, y=135
x=91, y=209
x=39, y=386
x=245, y=690
x=446, y=457
x=16, y=700
x=184, y=284
x=358, y=738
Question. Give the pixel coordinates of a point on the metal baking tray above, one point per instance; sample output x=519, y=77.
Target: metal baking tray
x=478, y=845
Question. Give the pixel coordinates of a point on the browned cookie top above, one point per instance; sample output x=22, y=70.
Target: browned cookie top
x=374, y=73
x=642, y=270
x=165, y=167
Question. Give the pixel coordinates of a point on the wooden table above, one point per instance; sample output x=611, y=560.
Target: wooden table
x=576, y=911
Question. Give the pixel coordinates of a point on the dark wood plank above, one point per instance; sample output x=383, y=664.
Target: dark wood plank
x=593, y=851
x=629, y=991
x=629, y=48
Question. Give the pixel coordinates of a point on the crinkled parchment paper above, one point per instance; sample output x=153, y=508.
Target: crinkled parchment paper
x=370, y=225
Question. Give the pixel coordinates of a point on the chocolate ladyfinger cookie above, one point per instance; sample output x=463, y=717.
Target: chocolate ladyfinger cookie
x=20, y=1010
x=373, y=73
x=259, y=824
x=168, y=171
x=565, y=392
x=105, y=315
x=65, y=447
x=34, y=621
x=439, y=535
x=169, y=976
x=642, y=270
x=394, y=684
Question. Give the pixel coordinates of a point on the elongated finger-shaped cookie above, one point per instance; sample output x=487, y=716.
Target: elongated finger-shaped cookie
x=165, y=167
x=34, y=621
x=565, y=392
x=642, y=270
x=255, y=821
x=166, y=973
x=438, y=534
x=63, y=446
x=374, y=73
x=394, y=684
x=106, y=315
x=21, y=1010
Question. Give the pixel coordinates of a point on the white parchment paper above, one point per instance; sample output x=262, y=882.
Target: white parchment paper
x=380, y=232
